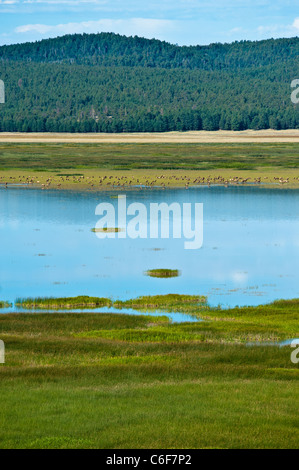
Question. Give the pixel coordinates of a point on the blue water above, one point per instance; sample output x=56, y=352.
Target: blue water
x=250, y=253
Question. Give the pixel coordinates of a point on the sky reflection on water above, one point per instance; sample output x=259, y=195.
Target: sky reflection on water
x=249, y=256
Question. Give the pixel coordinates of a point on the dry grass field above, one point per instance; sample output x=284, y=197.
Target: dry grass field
x=248, y=136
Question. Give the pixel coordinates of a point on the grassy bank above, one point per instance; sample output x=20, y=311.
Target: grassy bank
x=102, y=166
x=120, y=381
x=267, y=323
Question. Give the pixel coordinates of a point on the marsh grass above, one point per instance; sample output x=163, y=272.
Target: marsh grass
x=4, y=304
x=262, y=324
x=165, y=303
x=164, y=156
x=63, y=303
x=114, y=166
x=117, y=381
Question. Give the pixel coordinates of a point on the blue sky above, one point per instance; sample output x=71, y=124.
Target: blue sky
x=176, y=21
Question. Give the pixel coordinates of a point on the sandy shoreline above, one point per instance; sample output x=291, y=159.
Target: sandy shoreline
x=248, y=136
x=103, y=180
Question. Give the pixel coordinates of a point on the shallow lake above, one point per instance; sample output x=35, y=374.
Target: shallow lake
x=250, y=252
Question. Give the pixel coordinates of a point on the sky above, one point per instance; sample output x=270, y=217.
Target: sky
x=182, y=22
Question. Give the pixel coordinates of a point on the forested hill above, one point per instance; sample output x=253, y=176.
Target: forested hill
x=110, y=83
x=114, y=50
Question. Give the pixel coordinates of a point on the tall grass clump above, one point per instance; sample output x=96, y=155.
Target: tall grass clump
x=64, y=302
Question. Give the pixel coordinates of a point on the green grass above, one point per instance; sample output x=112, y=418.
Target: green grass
x=251, y=156
x=118, y=381
x=273, y=322
x=164, y=273
x=156, y=334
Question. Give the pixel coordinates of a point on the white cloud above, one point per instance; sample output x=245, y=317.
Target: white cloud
x=237, y=30
x=280, y=30
x=37, y=28
x=296, y=23
x=146, y=27
x=239, y=277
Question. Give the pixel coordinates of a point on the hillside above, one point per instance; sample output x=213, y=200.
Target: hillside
x=110, y=83
x=114, y=50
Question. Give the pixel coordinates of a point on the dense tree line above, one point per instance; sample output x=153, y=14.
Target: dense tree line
x=114, y=50
x=110, y=83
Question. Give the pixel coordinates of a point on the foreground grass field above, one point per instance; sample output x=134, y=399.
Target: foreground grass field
x=117, y=381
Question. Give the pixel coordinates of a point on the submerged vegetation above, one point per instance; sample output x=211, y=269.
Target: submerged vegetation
x=198, y=382
x=163, y=273
x=107, y=230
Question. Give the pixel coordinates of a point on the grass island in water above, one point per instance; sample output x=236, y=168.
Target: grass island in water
x=167, y=303
x=63, y=302
x=164, y=273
